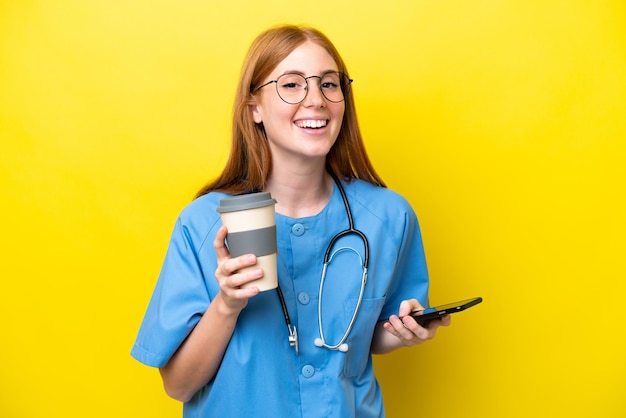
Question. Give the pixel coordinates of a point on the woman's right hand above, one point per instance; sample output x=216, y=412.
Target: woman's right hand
x=230, y=276
x=199, y=357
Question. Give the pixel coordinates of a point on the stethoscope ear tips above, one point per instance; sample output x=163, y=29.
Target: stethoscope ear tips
x=320, y=343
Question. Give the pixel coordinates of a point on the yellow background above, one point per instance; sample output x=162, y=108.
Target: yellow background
x=503, y=122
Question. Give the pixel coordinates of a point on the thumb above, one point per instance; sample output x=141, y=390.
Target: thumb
x=405, y=308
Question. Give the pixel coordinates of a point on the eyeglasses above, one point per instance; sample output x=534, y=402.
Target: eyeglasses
x=293, y=88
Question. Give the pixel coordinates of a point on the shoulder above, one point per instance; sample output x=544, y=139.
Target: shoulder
x=381, y=202
x=199, y=218
x=203, y=207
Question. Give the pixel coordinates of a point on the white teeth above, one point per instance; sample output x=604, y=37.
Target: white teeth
x=311, y=123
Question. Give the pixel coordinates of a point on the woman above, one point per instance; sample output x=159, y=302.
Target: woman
x=223, y=349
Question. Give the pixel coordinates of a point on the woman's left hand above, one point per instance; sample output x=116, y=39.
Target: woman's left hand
x=404, y=327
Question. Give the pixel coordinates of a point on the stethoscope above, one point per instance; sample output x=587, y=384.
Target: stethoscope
x=321, y=340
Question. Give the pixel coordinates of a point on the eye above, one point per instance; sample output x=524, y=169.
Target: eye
x=330, y=81
x=292, y=82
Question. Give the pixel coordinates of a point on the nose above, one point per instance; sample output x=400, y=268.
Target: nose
x=314, y=96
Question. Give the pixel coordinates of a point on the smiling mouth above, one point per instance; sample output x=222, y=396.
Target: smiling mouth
x=313, y=124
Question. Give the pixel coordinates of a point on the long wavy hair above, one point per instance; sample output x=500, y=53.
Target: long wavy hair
x=249, y=163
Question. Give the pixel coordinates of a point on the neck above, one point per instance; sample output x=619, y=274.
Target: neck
x=300, y=195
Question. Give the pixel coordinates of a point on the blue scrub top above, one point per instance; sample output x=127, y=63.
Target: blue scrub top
x=260, y=374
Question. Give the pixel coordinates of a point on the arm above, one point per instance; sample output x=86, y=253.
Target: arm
x=198, y=358
x=402, y=330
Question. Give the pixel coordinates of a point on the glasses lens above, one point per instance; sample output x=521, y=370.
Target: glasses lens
x=291, y=88
x=332, y=85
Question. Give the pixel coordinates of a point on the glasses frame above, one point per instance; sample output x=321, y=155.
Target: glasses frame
x=344, y=76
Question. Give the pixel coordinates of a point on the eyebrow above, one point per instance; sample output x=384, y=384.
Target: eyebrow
x=303, y=75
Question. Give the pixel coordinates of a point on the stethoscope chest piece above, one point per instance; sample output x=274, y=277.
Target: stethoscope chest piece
x=293, y=337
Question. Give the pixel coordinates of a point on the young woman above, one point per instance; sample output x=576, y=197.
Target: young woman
x=305, y=349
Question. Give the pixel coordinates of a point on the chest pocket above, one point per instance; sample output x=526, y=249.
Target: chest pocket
x=360, y=337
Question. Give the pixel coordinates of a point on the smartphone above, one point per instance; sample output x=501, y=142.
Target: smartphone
x=422, y=317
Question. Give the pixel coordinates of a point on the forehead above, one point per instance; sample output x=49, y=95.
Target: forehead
x=309, y=58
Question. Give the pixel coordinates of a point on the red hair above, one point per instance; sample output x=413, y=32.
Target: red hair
x=249, y=163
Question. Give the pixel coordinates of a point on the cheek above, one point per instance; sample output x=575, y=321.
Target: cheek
x=274, y=114
x=277, y=123
x=339, y=113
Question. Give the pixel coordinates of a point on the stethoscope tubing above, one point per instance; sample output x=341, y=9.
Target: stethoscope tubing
x=321, y=341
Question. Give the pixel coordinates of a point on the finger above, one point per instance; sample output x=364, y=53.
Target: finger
x=241, y=262
x=417, y=306
x=240, y=282
x=220, y=243
x=422, y=333
x=405, y=308
x=390, y=328
x=409, y=334
x=244, y=277
x=395, y=324
x=237, y=298
x=408, y=306
x=243, y=293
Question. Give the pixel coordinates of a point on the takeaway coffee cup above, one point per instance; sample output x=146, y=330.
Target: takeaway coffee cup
x=251, y=223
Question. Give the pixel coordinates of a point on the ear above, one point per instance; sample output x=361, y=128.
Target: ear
x=254, y=109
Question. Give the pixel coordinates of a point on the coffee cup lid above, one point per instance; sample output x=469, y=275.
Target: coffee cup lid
x=245, y=201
